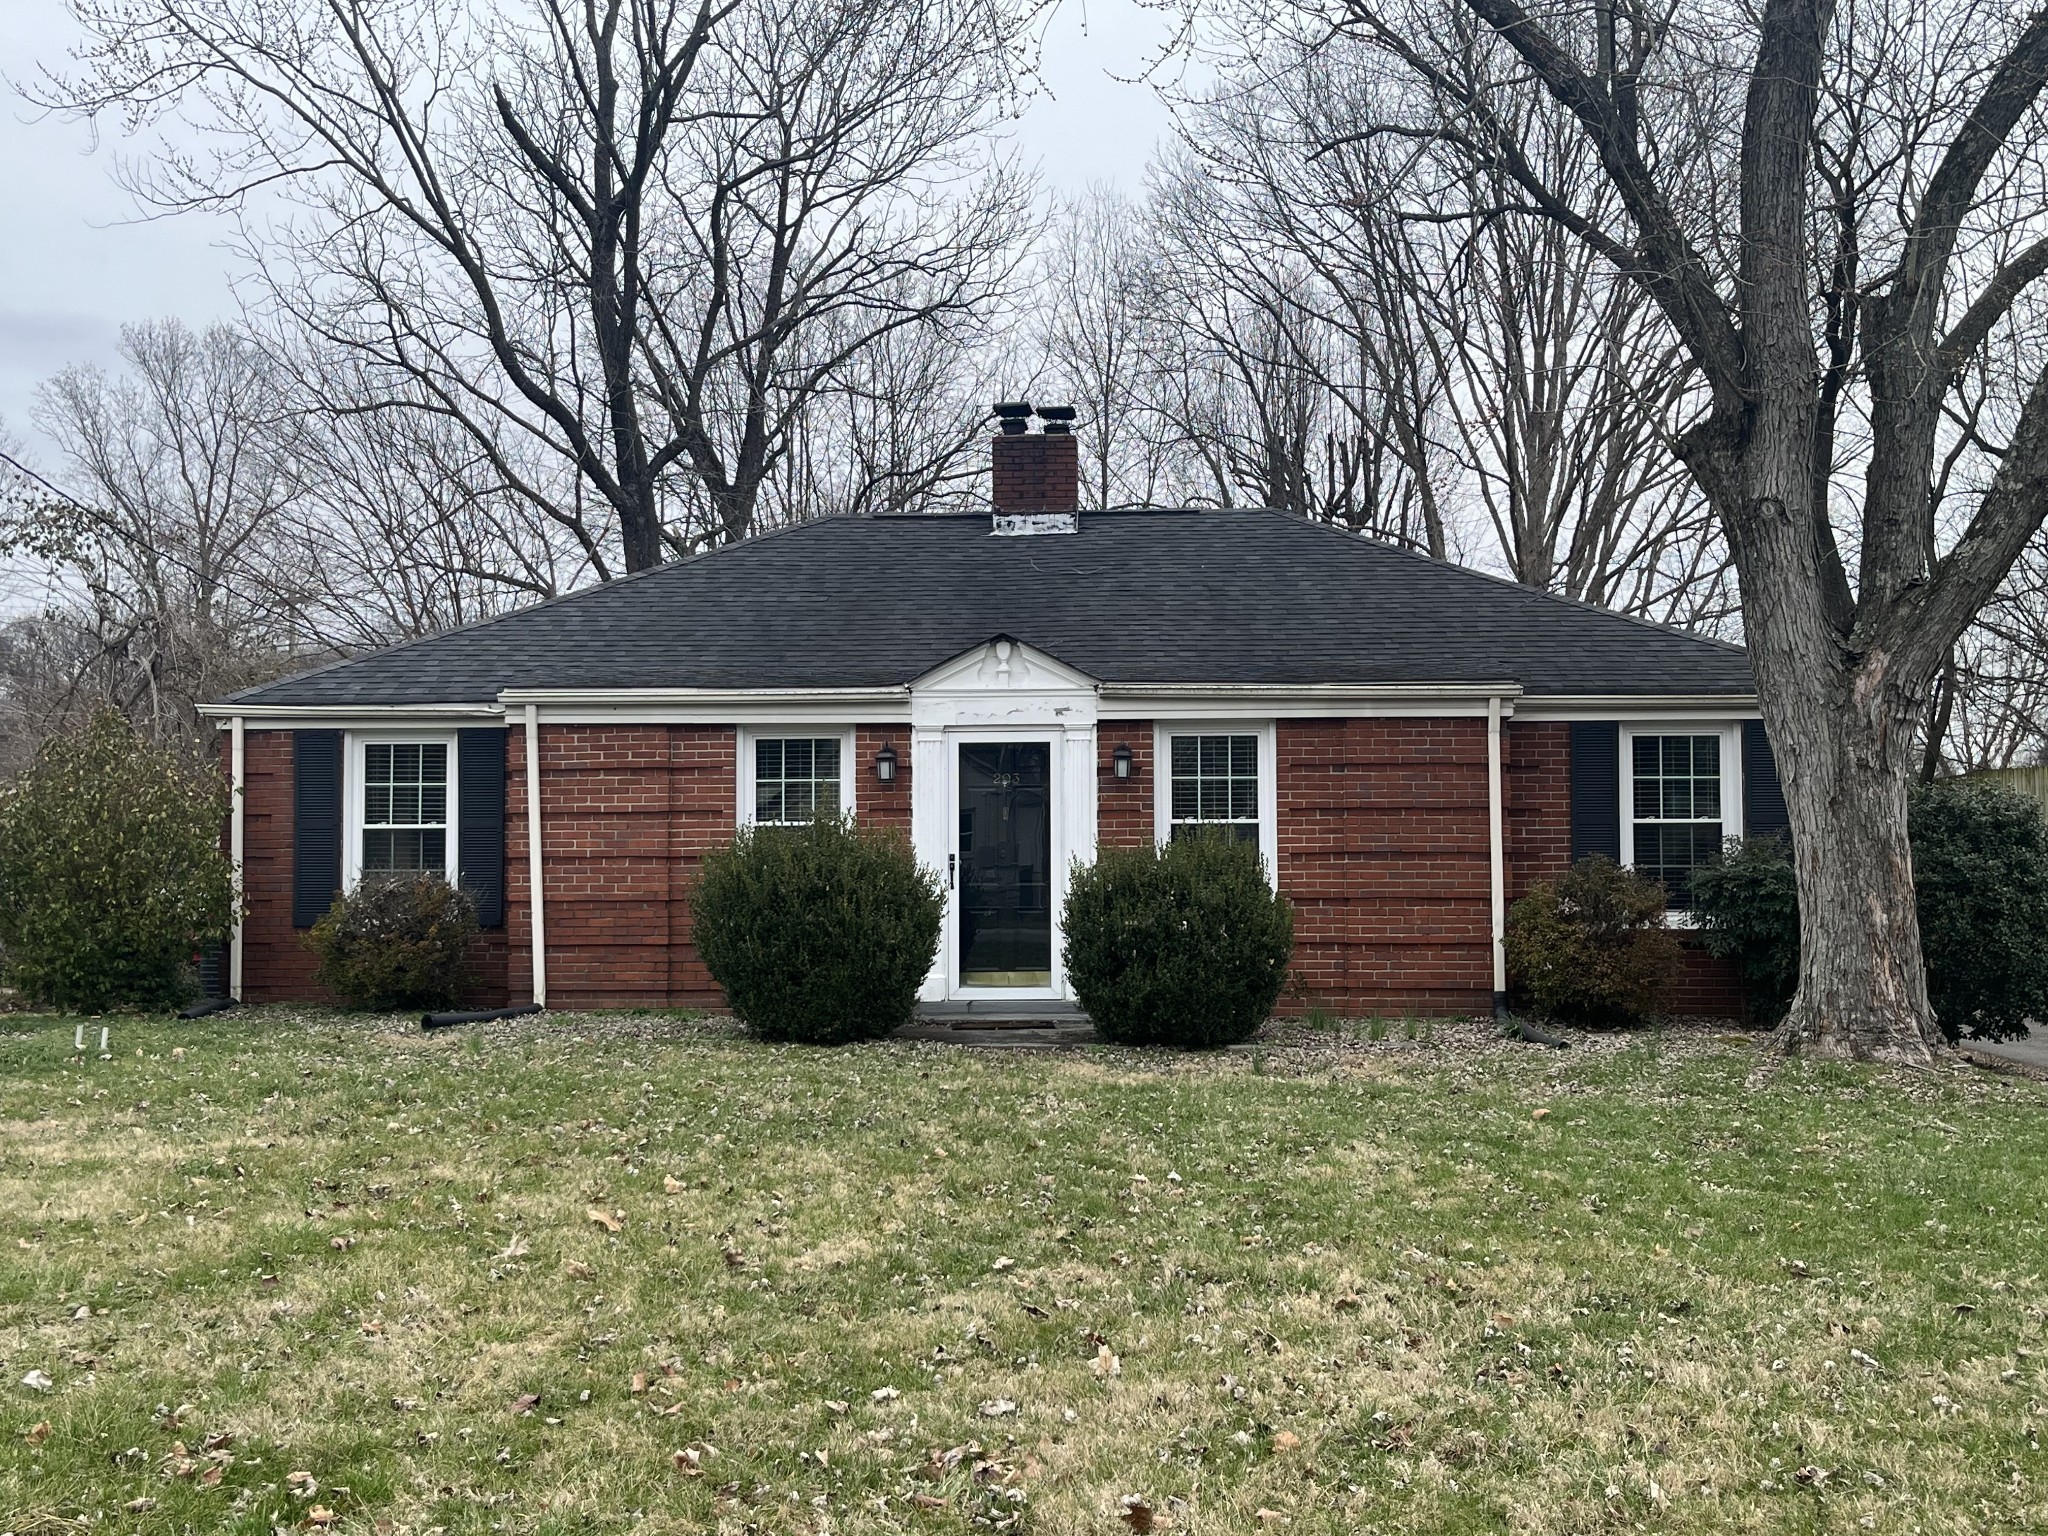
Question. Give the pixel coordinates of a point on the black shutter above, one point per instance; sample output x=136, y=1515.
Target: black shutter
x=480, y=812
x=316, y=824
x=1596, y=789
x=1763, y=795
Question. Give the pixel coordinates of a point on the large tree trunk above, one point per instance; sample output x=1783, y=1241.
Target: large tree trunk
x=1862, y=987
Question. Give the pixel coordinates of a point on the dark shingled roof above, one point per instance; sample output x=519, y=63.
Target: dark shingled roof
x=1134, y=597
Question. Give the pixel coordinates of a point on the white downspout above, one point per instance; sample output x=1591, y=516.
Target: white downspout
x=534, y=898
x=1497, y=857
x=237, y=833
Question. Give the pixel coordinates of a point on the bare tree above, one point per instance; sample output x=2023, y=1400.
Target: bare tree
x=639, y=235
x=1837, y=211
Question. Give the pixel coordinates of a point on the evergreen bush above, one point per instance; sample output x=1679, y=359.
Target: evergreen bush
x=1185, y=944
x=1591, y=947
x=396, y=941
x=1747, y=904
x=820, y=933
x=111, y=872
x=1980, y=874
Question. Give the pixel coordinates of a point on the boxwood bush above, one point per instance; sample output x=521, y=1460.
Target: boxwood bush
x=1185, y=944
x=820, y=933
x=396, y=941
x=1980, y=881
x=111, y=871
x=1591, y=947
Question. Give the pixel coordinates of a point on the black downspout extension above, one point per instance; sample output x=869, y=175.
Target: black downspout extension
x=207, y=1006
x=484, y=1016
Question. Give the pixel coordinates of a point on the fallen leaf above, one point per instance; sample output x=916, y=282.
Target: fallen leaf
x=341, y=1244
x=210, y=1478
x=38, y=1381
x=998, y=1408
x=301, y=1483
x=1541, y=1114
x=836, y=1405
x=1286, y=1440
x=219, y=1442
x=670, y=1184
x=1350, y=1301
x=603, y=1218
x=36, y=1434
x=139, y=1506
x=525, y=1403
x=576, y=1269
x=884, y=1395
x=1003, y=1263
x=927, y=1501
x=320, y=1514
x=1135, y=1510
x=639, y=1383
x=1268, y=1516
x=1105, y=1362
x=688, y=1461
x=516, y=1249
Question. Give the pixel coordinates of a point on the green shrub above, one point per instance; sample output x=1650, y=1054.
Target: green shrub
x=1185, y=944
x=820, y=933
x=1980, y=879
x=1980, y=873
x=1591, y=947
x=111, y=872
x=1747, y=904
x=396, y=941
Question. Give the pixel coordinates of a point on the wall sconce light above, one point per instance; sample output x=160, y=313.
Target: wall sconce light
x=1120, y=761
x=885, y=764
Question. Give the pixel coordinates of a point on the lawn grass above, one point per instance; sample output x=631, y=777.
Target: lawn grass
x=1430, y=1285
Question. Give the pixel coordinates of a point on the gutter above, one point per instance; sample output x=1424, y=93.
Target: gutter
x=1496, y=844
x=536, y=897
x=238, y=776
x=233, y=711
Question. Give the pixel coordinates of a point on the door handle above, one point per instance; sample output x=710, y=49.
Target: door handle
x=951, y=860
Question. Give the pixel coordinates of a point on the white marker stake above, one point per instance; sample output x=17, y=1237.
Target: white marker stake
x=78, y=1039
x=103, y=1039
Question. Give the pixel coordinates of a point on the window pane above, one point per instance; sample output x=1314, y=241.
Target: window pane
x=1648, y=802
x=377, y=763
x=1185, y=750
x=1244, y=754
x=434, y=803
x=433, y=850
x=1246, y=832
x=1706, y=755
x=376, y=804
x=1185, y=801
x=1215, y=799
x=434, y=762
x=1677, y=754
x=1215, y=754
x=768, y=759
x=796, y=759
x=1706, y=798
x=825, y=753
x=377, y=850
x=1646, y=754
x=768, y=803
x=797, y=800
x=827, y=792
x=1677, y=799
x=1244, y=799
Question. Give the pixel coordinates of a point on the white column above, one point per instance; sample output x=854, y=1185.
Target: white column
x=1497, y=852
x=1078, y=834
x=237, y=843
x=931, y=800
x=535, y=901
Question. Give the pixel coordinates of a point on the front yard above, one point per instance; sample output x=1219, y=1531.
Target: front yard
x=639, y=1274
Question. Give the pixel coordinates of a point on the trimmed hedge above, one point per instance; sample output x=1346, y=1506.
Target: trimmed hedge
x=111, y=872
x=820, y=933
x=1185, y=944
x=396, y=941
x=1591, y=947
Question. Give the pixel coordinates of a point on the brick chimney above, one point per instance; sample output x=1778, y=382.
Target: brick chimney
x=1036, y=471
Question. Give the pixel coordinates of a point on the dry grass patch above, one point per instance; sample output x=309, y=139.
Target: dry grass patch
x=637, y=1273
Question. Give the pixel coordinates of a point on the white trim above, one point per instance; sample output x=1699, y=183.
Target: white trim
x=743, y=773
x=1496, y=847
x=352, y=775
x=1303, y=701
x=1730, y=732
x=1163, y=733
x=238, y=779
x=536, y=899
x=520, y=697
x=1690, y=709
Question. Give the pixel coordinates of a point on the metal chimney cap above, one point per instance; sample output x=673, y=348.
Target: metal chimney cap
x=1055, y=413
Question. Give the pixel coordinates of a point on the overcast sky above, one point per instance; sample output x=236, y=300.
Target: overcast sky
x=77, y=263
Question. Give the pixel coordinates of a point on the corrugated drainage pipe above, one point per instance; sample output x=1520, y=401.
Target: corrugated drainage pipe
x=485, y=1016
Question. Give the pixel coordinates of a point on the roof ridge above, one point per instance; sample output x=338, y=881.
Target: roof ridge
x=615, y=584
x=1520, y=587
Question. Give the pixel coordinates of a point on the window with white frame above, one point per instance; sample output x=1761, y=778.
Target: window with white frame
x=1213, y=785
x=797, y=778
x=1677, y=807
x=405, y=807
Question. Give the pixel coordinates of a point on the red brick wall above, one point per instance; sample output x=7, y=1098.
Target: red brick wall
x=1536, y=792
x=276, y=965
x=1123, y=807
x=627, y=813
x=885, y=805
x=1383, y=851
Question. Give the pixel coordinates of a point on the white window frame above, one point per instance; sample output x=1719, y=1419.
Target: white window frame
x=355, y=774
x=1730, y=732
x=849, y=774
x=1163, y=732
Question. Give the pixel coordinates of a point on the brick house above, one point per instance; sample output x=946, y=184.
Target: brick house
x=1409, y=744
